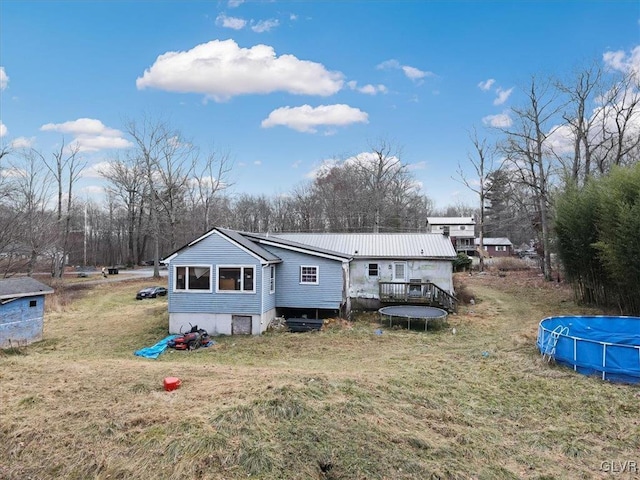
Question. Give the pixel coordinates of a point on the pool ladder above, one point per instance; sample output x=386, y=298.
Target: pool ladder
x=549, y=350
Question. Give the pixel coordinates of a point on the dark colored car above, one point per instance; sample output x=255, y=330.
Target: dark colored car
x=151, y=292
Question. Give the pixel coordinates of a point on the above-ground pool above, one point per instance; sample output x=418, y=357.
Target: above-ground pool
x=416, y=312
x=594, y=345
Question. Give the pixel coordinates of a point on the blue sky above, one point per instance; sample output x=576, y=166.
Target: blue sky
x=284, y=86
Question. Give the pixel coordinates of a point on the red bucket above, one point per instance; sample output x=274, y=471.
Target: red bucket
x=172, y=383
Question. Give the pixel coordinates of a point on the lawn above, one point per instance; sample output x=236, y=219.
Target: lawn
x=344, y=403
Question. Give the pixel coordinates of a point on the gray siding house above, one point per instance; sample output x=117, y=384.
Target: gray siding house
x=21, y=311
x=230, y=282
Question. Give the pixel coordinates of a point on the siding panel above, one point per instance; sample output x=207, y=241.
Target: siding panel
x=290, y=293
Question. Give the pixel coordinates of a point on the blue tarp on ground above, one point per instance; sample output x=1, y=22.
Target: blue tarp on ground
x=155, y=350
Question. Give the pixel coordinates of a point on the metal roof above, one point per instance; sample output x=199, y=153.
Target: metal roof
x=22, y=287
x=377, y=245
x=278, y=241
x=494, y=241
x=451, y=221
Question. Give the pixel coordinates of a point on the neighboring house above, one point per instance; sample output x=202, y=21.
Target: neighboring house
x=461, y=230
x=496, y=247
x=230, y=282
x=21, y=311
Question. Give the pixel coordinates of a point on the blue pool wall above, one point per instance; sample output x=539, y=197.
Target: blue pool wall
x=606, y=346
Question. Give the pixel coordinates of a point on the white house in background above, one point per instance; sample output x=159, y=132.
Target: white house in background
x=461, y=230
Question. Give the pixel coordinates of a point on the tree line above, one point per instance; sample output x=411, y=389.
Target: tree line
x=164, y=191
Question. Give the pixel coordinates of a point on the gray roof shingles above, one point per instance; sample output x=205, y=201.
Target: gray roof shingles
x=22, y=287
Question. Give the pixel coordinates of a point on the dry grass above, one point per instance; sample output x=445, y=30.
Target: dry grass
x=343, y=403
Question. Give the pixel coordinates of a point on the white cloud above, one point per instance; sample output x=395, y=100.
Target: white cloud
x=296, y=164
x=265, y=25
x=4, y=79
x=417, y=166
x=486, y=85
x=307, y=118
x=323, y=169
x=622, y=62
x=235, y=3
x=503, y=95
x=90, y=135
x=234, y=23
x=3, y=129
x=258, y=162
x=23, y=142
x=92, y=190
x=368, y=89
x=97, y=169
x=411, y=73
x=501, y=120
x=81, y=126
x=221, y=70
x=561, y=139
x=86, y=143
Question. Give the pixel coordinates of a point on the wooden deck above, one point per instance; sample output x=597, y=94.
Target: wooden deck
x=416, y=293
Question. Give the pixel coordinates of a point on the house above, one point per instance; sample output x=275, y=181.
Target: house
x=230, y=282
x=496, y=247
x=21, y=311
x=389, y=267
x=461, y=230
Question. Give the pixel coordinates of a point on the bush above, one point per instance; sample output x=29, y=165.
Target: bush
x=462, y=292
x=462, y=263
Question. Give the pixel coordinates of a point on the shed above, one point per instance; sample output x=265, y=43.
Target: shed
x=21, y=311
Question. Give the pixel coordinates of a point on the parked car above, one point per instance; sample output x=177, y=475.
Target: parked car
x=151, y=292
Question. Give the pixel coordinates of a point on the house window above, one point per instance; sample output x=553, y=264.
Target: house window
x=373, y=269
x=272, y=279
x=309, y=275
x=236, y=278
x=193, y=278
x=33, y=303
x=399, y=271
x=501, y=248
x=462, y=227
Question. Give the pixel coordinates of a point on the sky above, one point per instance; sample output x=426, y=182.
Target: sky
x=284, y=87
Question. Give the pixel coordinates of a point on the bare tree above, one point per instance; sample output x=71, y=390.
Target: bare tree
x=150, y=140
x=377, y=172
x=529, y=150
x=65, y=167
x=30, y=197
x=208, y=182
x=128, y=186
x=483, y=162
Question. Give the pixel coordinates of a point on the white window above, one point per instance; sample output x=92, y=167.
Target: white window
x=272, y=279
x=192, y=278
x=399, y=271
x=372, y=269
x=236, y=278
x=501, y=248
x=309, y=274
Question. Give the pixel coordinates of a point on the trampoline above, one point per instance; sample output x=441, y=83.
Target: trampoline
x=413, y=312
x=605, y=346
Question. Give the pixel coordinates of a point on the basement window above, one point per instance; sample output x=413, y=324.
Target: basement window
x=33, y=303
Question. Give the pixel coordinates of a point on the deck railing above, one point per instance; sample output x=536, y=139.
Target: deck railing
x=420, y=293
